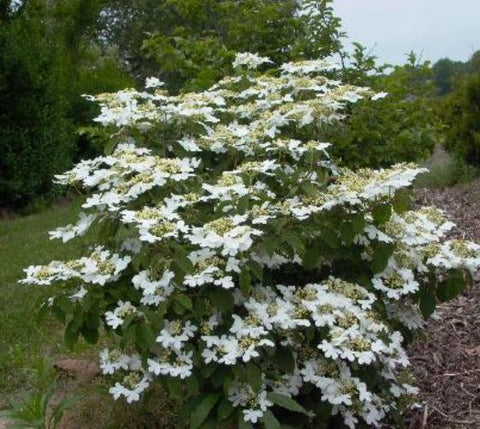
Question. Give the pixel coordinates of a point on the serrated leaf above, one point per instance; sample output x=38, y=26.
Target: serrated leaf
x=402, y=203
x=358, y=224
x=382, y=213
x=286, y=402
x=295, y=242
x=202, y=410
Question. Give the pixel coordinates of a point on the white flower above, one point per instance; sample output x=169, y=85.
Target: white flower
x=153, y=82
x=252, y=415
x=379, y=96
x=226, y=233
x=68, y=232
x=249, y=60
x=174, y=334
x=111, y=361
x=174, y=364
x=154, y=291
x=131, y=387
x=116, y=317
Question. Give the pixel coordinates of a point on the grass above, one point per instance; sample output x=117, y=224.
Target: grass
x=31, y=339
x=444, y=171
x=26, y=336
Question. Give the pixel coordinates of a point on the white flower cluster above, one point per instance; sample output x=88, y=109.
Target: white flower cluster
x=100, y=267
x=258, y=252
x=249, y=60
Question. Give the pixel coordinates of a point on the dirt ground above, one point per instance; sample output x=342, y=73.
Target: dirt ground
x=447, y=362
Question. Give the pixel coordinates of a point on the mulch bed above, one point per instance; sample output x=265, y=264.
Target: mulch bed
x=447, y=361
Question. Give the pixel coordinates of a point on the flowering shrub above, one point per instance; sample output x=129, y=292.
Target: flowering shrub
x=242, y=269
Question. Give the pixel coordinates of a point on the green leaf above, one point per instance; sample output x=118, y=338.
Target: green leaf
x=256, y=269
x=242, y=424
x=270, y=420
x=225, y=409
x=382, y=213
x=245, y=281
x=271, y=244
x=286, y=402
x=381, y=255
x=358, y=223
x=192, y=384
x=284, y=358
x=347, y=232
x=452, y=286
x=174, y=387
x=312, y=257
x=254, y=376
x=71, y=334
x=144, y=336
x=128, y=335
x=202, y=410
x=331, y=238
x=402, y=202
x=184, y=263
x=89, y=333
x=184, y=301
x=427, y=304
x=221, y=299
x=295, y=241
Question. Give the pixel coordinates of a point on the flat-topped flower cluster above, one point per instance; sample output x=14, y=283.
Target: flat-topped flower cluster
x=239, y=264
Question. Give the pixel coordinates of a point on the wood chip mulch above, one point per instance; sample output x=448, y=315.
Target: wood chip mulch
x=447, y=361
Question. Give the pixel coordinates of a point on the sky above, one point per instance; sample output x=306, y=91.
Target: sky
x=433, y=28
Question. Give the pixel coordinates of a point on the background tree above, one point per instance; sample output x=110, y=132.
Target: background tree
x=191, y=43
x=461, y=113
x=48, y=58
x=35, y=135
x=401, y=127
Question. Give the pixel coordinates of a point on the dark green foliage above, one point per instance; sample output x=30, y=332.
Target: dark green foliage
x=402, y=127
x=48, y=59
x=35, y=136
x=448, y=74
x=190, y=43
x=461, y=113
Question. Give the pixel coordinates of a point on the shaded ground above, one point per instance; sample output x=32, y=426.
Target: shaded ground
x=447, y=362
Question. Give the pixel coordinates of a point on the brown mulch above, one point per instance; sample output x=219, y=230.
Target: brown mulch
x=447, y=361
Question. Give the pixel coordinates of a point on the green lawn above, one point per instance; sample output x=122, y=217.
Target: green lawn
x=27, y=336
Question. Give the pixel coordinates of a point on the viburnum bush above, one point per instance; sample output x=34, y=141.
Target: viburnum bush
x=243, y=270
